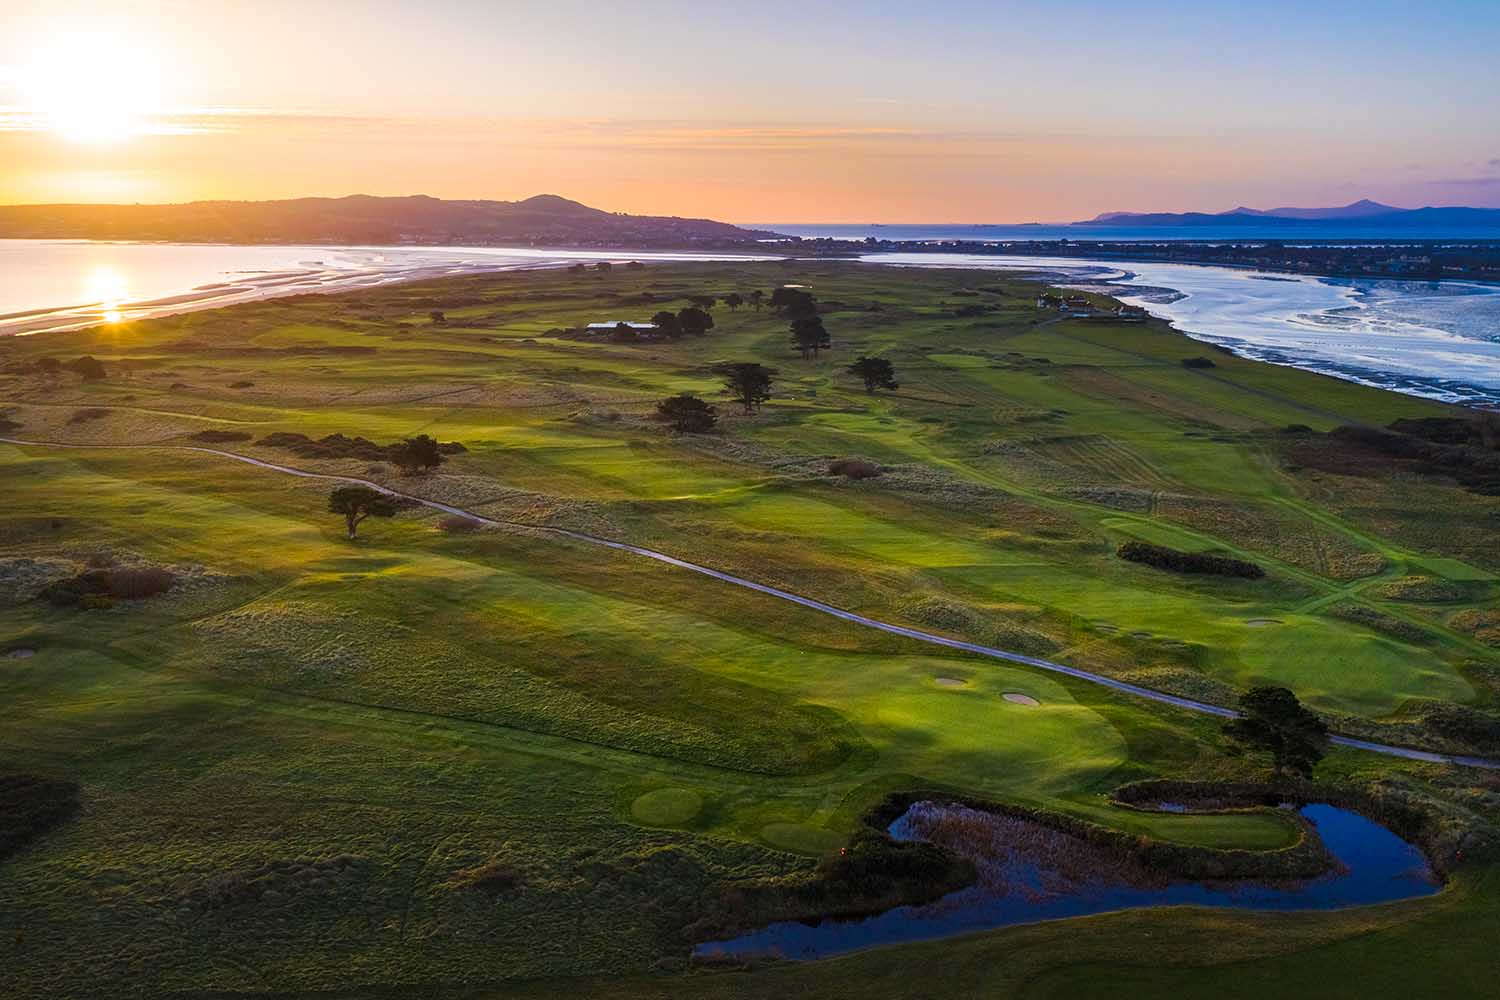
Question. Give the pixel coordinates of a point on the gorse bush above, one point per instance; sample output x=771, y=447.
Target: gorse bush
x=1162, y=557
x=853, y=468
x=100, y=588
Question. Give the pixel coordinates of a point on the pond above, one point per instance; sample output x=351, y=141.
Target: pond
x=1028, y=873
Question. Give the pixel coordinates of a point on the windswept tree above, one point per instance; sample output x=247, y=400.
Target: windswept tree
x=1275, y=724
x=877, y=373
x=809, y=336
x=417, y=454
x=687, y=413
x=757, y=299
x=734, y=300
x=794, y=303
x=747, y=382
x=359, y=502
x=695, y=321
x=667, y=324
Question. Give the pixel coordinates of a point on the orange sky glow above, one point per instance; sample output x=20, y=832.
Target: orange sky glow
x=964, y=114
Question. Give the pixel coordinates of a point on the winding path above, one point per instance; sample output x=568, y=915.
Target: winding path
x=786, y=595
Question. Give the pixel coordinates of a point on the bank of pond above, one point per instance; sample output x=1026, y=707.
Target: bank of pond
x=1023, y=865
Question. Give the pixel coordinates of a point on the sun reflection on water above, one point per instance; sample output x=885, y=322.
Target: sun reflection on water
x=107, y=288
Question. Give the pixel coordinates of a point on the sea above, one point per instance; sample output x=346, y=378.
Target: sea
x=1435, y=339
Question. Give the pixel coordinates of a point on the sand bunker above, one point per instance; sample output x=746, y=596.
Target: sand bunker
x=1263, y=622
x=1140, y=635
x=950, y=682
x=1017, y=698
x=20, y=653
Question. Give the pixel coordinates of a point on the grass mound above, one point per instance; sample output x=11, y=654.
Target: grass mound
x=1423, y=590
x=30, y=806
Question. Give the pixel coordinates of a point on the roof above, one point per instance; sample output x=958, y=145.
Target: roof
x=620, y=322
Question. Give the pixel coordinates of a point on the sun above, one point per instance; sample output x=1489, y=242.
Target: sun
x=92, y=88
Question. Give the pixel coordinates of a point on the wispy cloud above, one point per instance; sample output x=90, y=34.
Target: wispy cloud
x=1469, y=181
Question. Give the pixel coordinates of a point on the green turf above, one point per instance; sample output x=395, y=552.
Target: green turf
x=292, y=774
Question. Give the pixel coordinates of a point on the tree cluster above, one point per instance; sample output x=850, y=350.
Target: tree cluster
x=876, y=373
x=687, y=413
x=747, y=383
x=1188, y=562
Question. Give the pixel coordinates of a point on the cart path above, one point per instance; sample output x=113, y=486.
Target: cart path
x=1150, y=694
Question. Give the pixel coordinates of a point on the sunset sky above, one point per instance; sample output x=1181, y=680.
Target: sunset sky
x=763, y=112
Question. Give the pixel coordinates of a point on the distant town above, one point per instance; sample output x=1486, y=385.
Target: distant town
x=1424, y=260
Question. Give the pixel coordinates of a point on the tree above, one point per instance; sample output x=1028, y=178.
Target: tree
x=667, y=324
x=1274, y=722
x=624, y=333
x=604, y=266
x=417, y=454
x=734, y=300
x=809, y=336
x=878, y=373
x=747, y=382
x=359, y=502
x=703, y=301
x=438, y=317
x=757, y=299
x=687, y=413
x=794, y=303
x=695, y=321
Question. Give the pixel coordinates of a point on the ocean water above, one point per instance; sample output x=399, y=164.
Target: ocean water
x=66, y=284
x=1439, y=339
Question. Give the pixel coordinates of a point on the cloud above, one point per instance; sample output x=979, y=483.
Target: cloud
x=1469, y=181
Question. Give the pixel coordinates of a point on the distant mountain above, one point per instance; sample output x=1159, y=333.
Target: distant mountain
x=545, y=220
x=1364, y=214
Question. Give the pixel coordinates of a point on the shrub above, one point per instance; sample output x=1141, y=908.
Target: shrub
x=1199, y=362
x=87, y=414
x=220, y=437
x=240, y=384
x=101, y=587
x=1162, y=557
x=457, y=524
x=132, y=583
x=90, y=367
x=853, y=468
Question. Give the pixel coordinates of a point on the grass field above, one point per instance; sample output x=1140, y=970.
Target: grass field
x=502, y=757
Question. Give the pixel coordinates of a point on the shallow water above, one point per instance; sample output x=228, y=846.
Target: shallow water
x=65, y=284
x=1379, y=867
x=1439, y=339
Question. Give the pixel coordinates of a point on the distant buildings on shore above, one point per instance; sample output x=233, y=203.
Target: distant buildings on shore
x=1081, y=307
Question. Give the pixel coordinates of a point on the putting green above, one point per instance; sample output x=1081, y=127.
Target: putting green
x=1341, y=668
x=667, y=807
